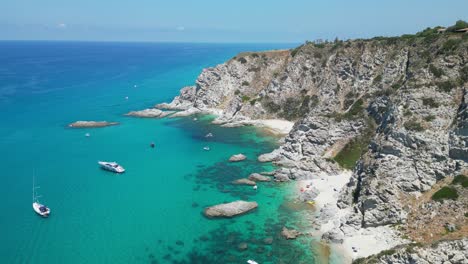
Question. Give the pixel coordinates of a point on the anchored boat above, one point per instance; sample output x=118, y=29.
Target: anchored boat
x=111, y=166
x=39, y=208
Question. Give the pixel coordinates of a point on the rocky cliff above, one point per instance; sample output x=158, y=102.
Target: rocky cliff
x=392, y=110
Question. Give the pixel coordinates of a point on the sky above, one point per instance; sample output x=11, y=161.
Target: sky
x=271, y=21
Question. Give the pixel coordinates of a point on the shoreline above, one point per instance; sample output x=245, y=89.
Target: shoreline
x=356, y=243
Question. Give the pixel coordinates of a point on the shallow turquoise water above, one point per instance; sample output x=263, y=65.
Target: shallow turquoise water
x=153, y=212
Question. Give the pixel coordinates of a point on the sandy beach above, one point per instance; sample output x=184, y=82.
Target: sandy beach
x=357, y=243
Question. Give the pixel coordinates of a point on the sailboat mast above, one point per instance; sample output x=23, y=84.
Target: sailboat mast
x=33, y=189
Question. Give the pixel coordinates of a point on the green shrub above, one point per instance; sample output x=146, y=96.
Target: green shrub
x=436, y=71
x=446, y=86
x=355, y=110
x=461, y=179
x=270, y=106
x=464, y=73
x=413, y=125
x=252, y=102
x=245, y=98
x=429, y=118
x=295, y=51
x=254, y=55
x=458, y=25
x=245, y=83
x=377, y=79
x=445, y=193
x=242, y=60
x=237, y=92
x=450, y=45
x=353, y=151
x=430, y=102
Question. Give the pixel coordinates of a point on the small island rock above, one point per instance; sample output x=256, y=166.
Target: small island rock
x=150, y=113
x=91, y=124
x=237, y=157
x=244, y=181
x=230, y=209
x=290, y=233
x=258, y=177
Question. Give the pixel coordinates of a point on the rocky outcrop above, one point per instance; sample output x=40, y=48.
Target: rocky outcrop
x=290, y=233
x=391, y=110
x=91, y=124
x=259, y=178
x=244, y=181
x=237, y=157
x=150, y=113
x=230, y=209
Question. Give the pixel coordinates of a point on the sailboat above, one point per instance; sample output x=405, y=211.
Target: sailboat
x=39, y=208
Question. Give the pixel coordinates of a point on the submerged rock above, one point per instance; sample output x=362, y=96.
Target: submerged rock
x=230, y=209
x=244, y=181
x=243, y=246
x=259, y=177
x=237, y=157
x=290, y=233
x=91, y=124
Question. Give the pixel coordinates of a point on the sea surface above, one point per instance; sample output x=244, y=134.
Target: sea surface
x=153, y=212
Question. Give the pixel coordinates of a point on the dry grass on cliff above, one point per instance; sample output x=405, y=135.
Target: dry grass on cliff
x=427, y=218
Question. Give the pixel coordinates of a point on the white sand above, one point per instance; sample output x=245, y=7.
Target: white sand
x=276, y=125
x=367, y=241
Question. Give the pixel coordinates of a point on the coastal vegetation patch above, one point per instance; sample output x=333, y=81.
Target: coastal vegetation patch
x=444, y=193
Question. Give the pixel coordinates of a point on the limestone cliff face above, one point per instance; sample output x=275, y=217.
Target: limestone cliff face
x=401, y=103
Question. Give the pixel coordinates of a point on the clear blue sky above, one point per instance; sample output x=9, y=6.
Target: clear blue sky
x=221, y=21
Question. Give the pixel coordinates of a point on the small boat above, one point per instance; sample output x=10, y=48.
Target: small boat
x=126, y=97
x=87, y=135
x=152, y=144
x=206, y=148
x=209, y=135
x=195, y=119
x=111, y=166
x=39, y=208
x=252, y=261
x=255, y=187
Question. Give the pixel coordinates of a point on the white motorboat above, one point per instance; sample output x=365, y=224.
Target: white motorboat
x=252, y=261
x=111, y=166
x=209, y=135
x=206, y=148
x=39, y=208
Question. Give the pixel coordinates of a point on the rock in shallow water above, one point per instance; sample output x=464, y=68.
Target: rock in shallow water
x=258, y=177
x=244, y=181
x=150, y=113
x=290, y=233
x=230, y=209
x=237, y=157
x=90, y=124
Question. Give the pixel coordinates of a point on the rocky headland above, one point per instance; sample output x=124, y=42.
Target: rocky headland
x=380, y=133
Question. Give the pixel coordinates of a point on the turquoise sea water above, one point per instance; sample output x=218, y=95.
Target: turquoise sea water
x=153, y=212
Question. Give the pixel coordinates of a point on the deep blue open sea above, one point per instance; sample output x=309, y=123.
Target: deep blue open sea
x=153, y=212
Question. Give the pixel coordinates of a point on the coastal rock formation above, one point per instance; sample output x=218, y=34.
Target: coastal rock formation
x=245, y=182
x=237, y=157
x=230, y=209
x=258, y=177
x=91, y=124
x=391, y=110
x=150, y=113
x=290, y=233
